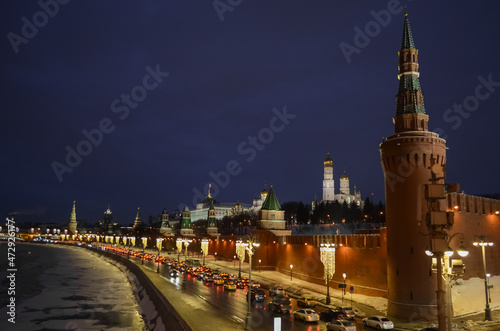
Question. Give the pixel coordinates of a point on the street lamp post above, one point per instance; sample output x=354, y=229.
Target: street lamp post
x=234, y=261
x=291, y=269
x=240, y=252
x=144, y=244
x=178, y=244
x=249, y=247
x=204, y=248
x=186, y=243
x=343, y=290
x=446, y=269
x=259, y=265
x=328, y=259
x=483, y=243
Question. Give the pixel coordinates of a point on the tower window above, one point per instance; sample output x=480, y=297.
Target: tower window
x=414, y=58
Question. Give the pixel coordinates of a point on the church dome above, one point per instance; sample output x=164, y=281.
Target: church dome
x=328, y=160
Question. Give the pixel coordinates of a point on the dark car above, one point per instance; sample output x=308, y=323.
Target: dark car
x=280, y=305
x=257, y=295
x=332, y=314
x=430, y=329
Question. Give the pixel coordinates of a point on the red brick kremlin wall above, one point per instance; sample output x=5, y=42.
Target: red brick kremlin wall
x=361, y=257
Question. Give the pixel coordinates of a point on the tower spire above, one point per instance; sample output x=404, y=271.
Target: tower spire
x=209, y=196
x=73, y=212
x=410, y=109
x=407, y=36
x=72, y=220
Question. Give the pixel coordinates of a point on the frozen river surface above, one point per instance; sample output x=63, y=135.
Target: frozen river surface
x=67, y=288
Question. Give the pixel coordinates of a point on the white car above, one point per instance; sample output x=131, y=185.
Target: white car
x=340, y=325
x=379, y=322
x=307, y=315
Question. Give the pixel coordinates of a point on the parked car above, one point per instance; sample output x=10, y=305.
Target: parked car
x=340, y=325
x=276, y=290
x=307, y=302
x=349, y=313
x=257, y=295
x=332, y=314
x=379, y=322
x=280, y=305
x=307, y=315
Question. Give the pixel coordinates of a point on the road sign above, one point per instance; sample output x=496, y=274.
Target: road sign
x=352, y=289
x=277, y=324
x=342, y=286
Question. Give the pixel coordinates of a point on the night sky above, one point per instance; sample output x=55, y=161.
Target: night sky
x=171, y=91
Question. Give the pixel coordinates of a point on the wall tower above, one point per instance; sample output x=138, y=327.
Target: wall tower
x=137, y=222
x=72, y=220
x=406, y=158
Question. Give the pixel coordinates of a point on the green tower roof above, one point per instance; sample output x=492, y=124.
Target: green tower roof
x=407, y=37
x=271, y=202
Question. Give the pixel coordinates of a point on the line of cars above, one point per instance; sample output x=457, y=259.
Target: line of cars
x=336, y=319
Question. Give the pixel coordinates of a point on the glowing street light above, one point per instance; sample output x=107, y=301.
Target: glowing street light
x=249, y=246
x=159, y=244
x=327, y=251
x=343, y=290
x=187, y=242
x=483, y=243
x=240, y=252
x=291, y=269
x=204, y=248
x=178, y=244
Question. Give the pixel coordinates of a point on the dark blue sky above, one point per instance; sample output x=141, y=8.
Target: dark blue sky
x=225, y=77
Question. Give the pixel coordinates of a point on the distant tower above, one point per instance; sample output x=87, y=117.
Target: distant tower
x=212, y=221
x=137, y=222
x=344, y=184
x=72, y=220
x=186, y=229
x=165, y=224
x=328, y=182
x=107, y=221
x=406, y=157
x=271, y=217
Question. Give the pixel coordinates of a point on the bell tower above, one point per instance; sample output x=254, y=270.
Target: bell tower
x=328, y=182
x=406, y=158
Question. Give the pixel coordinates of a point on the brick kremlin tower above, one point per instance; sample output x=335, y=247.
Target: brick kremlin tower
x=406, y=159
x=72, y=220
x=137, y=222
